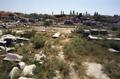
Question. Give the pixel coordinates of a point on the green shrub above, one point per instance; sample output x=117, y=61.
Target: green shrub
x=112, y=44
x=5, y=69
x=28, y=34
x=39, y=71
x=25, y=54
x=38, y=42
x=47, y=70
x=24, y=51
x=115, y=45
x=81, y=28
x=118, y=35
x=112, y=70
x=114, y=28
x=7, y=31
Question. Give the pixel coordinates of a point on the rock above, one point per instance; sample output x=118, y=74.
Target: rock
x=14, y=72
x=38, y=57
x=21, y=44
x=56, y=35
x=25, y=78
x=13, y=57
x=28, y=70
x=113, y=50
x=21, y=65
x=57, y=76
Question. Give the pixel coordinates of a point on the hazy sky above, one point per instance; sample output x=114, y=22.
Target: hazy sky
x=109, y=7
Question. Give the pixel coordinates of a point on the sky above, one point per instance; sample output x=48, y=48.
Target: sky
x=105, y=7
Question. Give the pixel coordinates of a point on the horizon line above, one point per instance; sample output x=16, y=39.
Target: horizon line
x=57, y=13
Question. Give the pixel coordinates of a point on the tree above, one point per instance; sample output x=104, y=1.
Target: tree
x=61, y=12
x=73, y=12
x=76, y=13
x=52, y=13
x=80, y=15
x=70, y=12
x=98, y=17
x=96, y=14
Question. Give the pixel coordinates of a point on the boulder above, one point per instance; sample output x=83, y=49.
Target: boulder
x=38, y=57
x=14, y=72
x=13, y=57
x=28, y=70
x=21, y=65
x=25, y=78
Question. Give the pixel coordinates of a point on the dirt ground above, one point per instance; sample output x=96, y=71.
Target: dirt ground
x=53, y=29
x=95, y=70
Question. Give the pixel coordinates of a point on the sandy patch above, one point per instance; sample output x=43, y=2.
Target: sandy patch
x=73, y=73
x=95, y=70
x=53, y=29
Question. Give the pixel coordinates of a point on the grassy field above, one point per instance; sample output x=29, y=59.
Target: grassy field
x=81, y=50
x=76, y=48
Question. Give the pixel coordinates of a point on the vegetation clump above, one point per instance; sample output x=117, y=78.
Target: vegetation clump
x=112, y=70
x=38, y=42
x=28, y=34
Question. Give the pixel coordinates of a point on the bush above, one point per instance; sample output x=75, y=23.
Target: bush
x=28, y=34
x=68, y=22
x=48, y=23
x=118, y=34
x=115, y=45
x=38, y=42
x=7, y=31
x=47, y=70
x=112, y=70
x=114, y=28
x=24, y=52
x=112, y=44
x=81, y=28
x=5, y=68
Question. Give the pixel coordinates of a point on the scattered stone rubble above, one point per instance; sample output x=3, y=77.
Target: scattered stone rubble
x=10, y=38
x=22, y=70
